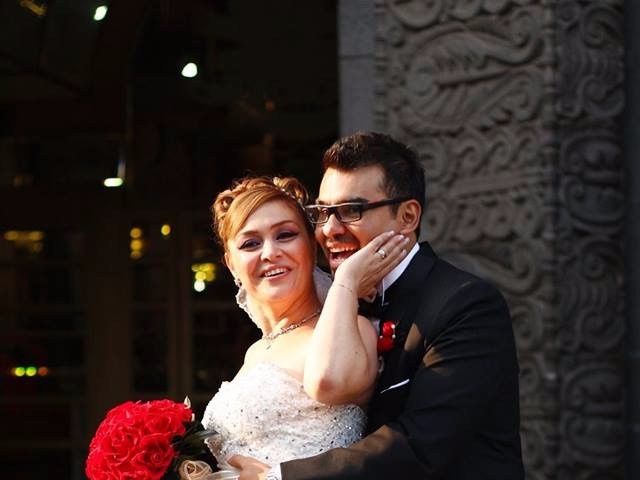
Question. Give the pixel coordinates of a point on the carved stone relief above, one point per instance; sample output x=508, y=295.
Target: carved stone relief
x=513, y=106
x=589, y=226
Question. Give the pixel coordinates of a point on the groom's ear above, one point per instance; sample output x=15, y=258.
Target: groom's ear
x=408, y=216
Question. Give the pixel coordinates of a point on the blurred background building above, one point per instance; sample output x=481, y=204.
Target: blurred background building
x=121, y=120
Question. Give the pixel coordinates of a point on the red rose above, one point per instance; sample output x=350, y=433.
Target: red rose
x=387, y=336
x=388, y=329
x=154, y=457
x=134, y=440
x=384, y=344
x=165, y=416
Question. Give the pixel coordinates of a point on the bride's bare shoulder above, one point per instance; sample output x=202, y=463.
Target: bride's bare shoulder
x=253, y=353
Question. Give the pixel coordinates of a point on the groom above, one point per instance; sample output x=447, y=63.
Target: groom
x=446, y=403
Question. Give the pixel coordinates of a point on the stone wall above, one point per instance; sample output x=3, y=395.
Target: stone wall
x=514, y=107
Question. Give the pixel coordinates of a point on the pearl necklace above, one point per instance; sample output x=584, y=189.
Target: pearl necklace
x=270, y=337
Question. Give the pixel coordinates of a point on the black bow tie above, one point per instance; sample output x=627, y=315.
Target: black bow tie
x=373, y=309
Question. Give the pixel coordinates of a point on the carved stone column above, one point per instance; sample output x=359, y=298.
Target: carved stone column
x=514, y=107
x=590, y=213
x=356, y=48
x=632, y=223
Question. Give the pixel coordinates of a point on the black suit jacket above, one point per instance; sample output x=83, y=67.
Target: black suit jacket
x=457, y=416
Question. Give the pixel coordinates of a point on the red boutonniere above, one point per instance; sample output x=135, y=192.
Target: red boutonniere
x=387, y=336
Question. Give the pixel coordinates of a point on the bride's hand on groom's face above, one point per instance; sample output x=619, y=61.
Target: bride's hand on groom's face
x=366, y=268
x=250, y=468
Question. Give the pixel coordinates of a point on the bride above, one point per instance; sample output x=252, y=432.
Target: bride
x=304, y=385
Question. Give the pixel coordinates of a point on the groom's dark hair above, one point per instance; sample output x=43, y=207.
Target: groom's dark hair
x=403, y=174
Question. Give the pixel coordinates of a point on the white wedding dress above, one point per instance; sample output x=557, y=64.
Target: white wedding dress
x=266, y=414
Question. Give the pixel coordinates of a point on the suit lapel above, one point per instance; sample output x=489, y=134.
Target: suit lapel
x=403, y=299
x=405, y=292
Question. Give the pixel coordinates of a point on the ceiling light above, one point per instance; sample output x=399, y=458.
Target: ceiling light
x=100, y=13
x=33, y=7
x=113, y=182
x=190, y=70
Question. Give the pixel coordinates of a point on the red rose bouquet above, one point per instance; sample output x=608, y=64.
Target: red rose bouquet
x=145, y=441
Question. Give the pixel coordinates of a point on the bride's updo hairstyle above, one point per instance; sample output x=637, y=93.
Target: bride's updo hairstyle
x=232, y=207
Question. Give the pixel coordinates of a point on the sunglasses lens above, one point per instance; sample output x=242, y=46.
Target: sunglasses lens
x=316, y=214
x=349, y=212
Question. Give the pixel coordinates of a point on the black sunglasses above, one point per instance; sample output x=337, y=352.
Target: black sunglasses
x=346, y=212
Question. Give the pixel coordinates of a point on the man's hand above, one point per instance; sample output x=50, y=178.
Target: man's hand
x=250, y=468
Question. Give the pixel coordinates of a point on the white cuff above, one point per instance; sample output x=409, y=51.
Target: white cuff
x=275, y=473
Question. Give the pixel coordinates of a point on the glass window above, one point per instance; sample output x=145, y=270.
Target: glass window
x=150, y=351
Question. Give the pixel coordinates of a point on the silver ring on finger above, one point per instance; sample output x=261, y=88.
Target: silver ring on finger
x=382, y=253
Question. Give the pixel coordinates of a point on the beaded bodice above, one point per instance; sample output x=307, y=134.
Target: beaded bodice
x=266, y=414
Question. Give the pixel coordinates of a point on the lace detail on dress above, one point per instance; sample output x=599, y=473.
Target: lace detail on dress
x=266, y=414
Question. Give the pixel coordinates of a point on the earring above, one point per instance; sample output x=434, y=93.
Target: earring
x=237, y=281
